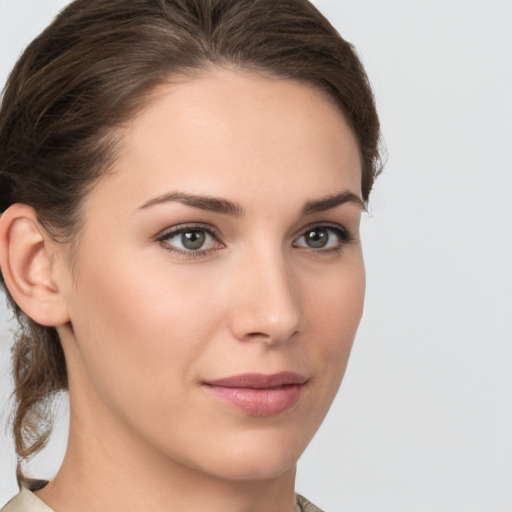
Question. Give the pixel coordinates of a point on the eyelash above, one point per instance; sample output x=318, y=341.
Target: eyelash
x=172, y=232
x=344, y=236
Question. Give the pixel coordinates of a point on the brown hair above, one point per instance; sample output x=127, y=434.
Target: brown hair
x=90, y=71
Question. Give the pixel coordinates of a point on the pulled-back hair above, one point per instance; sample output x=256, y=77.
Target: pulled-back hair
x=91, y=71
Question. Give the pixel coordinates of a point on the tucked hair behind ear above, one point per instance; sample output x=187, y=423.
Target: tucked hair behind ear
x=91, y=71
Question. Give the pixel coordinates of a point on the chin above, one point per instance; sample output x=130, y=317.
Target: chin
x=260, y=456
x=261, y=468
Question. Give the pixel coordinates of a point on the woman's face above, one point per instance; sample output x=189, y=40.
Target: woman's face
x=219, y=280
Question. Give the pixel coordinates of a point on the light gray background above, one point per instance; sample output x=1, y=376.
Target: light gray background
x=424, y=418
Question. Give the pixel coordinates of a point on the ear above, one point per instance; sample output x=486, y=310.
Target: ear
x=27, y=260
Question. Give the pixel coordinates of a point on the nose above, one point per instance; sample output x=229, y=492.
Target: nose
x=265, y=302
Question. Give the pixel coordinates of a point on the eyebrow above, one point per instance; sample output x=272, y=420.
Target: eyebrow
x=328, y=202
x=224, y=206
x=211, y=204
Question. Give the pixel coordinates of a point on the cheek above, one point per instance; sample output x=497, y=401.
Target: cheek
x=333, y=312
x=334, y=308
x=140, y=325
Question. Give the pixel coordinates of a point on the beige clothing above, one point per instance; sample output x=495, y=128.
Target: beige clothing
x=27, y=501
x=303, y=503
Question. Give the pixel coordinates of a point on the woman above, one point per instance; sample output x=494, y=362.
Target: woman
x=182, y=183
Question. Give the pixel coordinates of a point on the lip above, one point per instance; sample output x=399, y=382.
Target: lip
x=259, y=394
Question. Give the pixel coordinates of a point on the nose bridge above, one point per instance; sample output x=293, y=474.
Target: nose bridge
x=268, y=305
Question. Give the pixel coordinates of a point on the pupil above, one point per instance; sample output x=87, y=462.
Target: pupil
x=193, y=239
x=317, y=238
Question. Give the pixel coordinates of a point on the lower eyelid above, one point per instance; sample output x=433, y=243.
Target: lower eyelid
x=344, y=236
x=213, y=241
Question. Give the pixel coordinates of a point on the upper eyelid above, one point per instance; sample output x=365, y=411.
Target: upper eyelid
x=320, y=224
x=171, y=232
x=180, y=228
x=215, y=233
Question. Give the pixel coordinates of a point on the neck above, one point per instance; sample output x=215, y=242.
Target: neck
x=106, y=468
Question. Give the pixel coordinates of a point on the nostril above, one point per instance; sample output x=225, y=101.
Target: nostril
x=253, y=335
x=271, y=338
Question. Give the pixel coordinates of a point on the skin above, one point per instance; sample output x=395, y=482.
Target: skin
x=148, y=323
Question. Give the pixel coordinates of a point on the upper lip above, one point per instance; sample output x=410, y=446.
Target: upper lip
x=259, y=380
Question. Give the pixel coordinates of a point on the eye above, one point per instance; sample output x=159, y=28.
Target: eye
x=324, y=238
x=189, y=239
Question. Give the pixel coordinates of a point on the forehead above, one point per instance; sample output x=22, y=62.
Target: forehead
x=231, y=133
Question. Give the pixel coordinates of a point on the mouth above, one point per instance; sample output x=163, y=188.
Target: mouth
x=259, y=394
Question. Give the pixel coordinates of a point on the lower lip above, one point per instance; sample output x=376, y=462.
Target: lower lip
x=259, y=402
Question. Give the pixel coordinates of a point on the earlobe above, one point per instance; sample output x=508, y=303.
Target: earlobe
x=26, y=260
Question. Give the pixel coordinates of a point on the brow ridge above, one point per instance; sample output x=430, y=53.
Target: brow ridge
x=203, y=202
x=329, y=202
x=224, y=206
